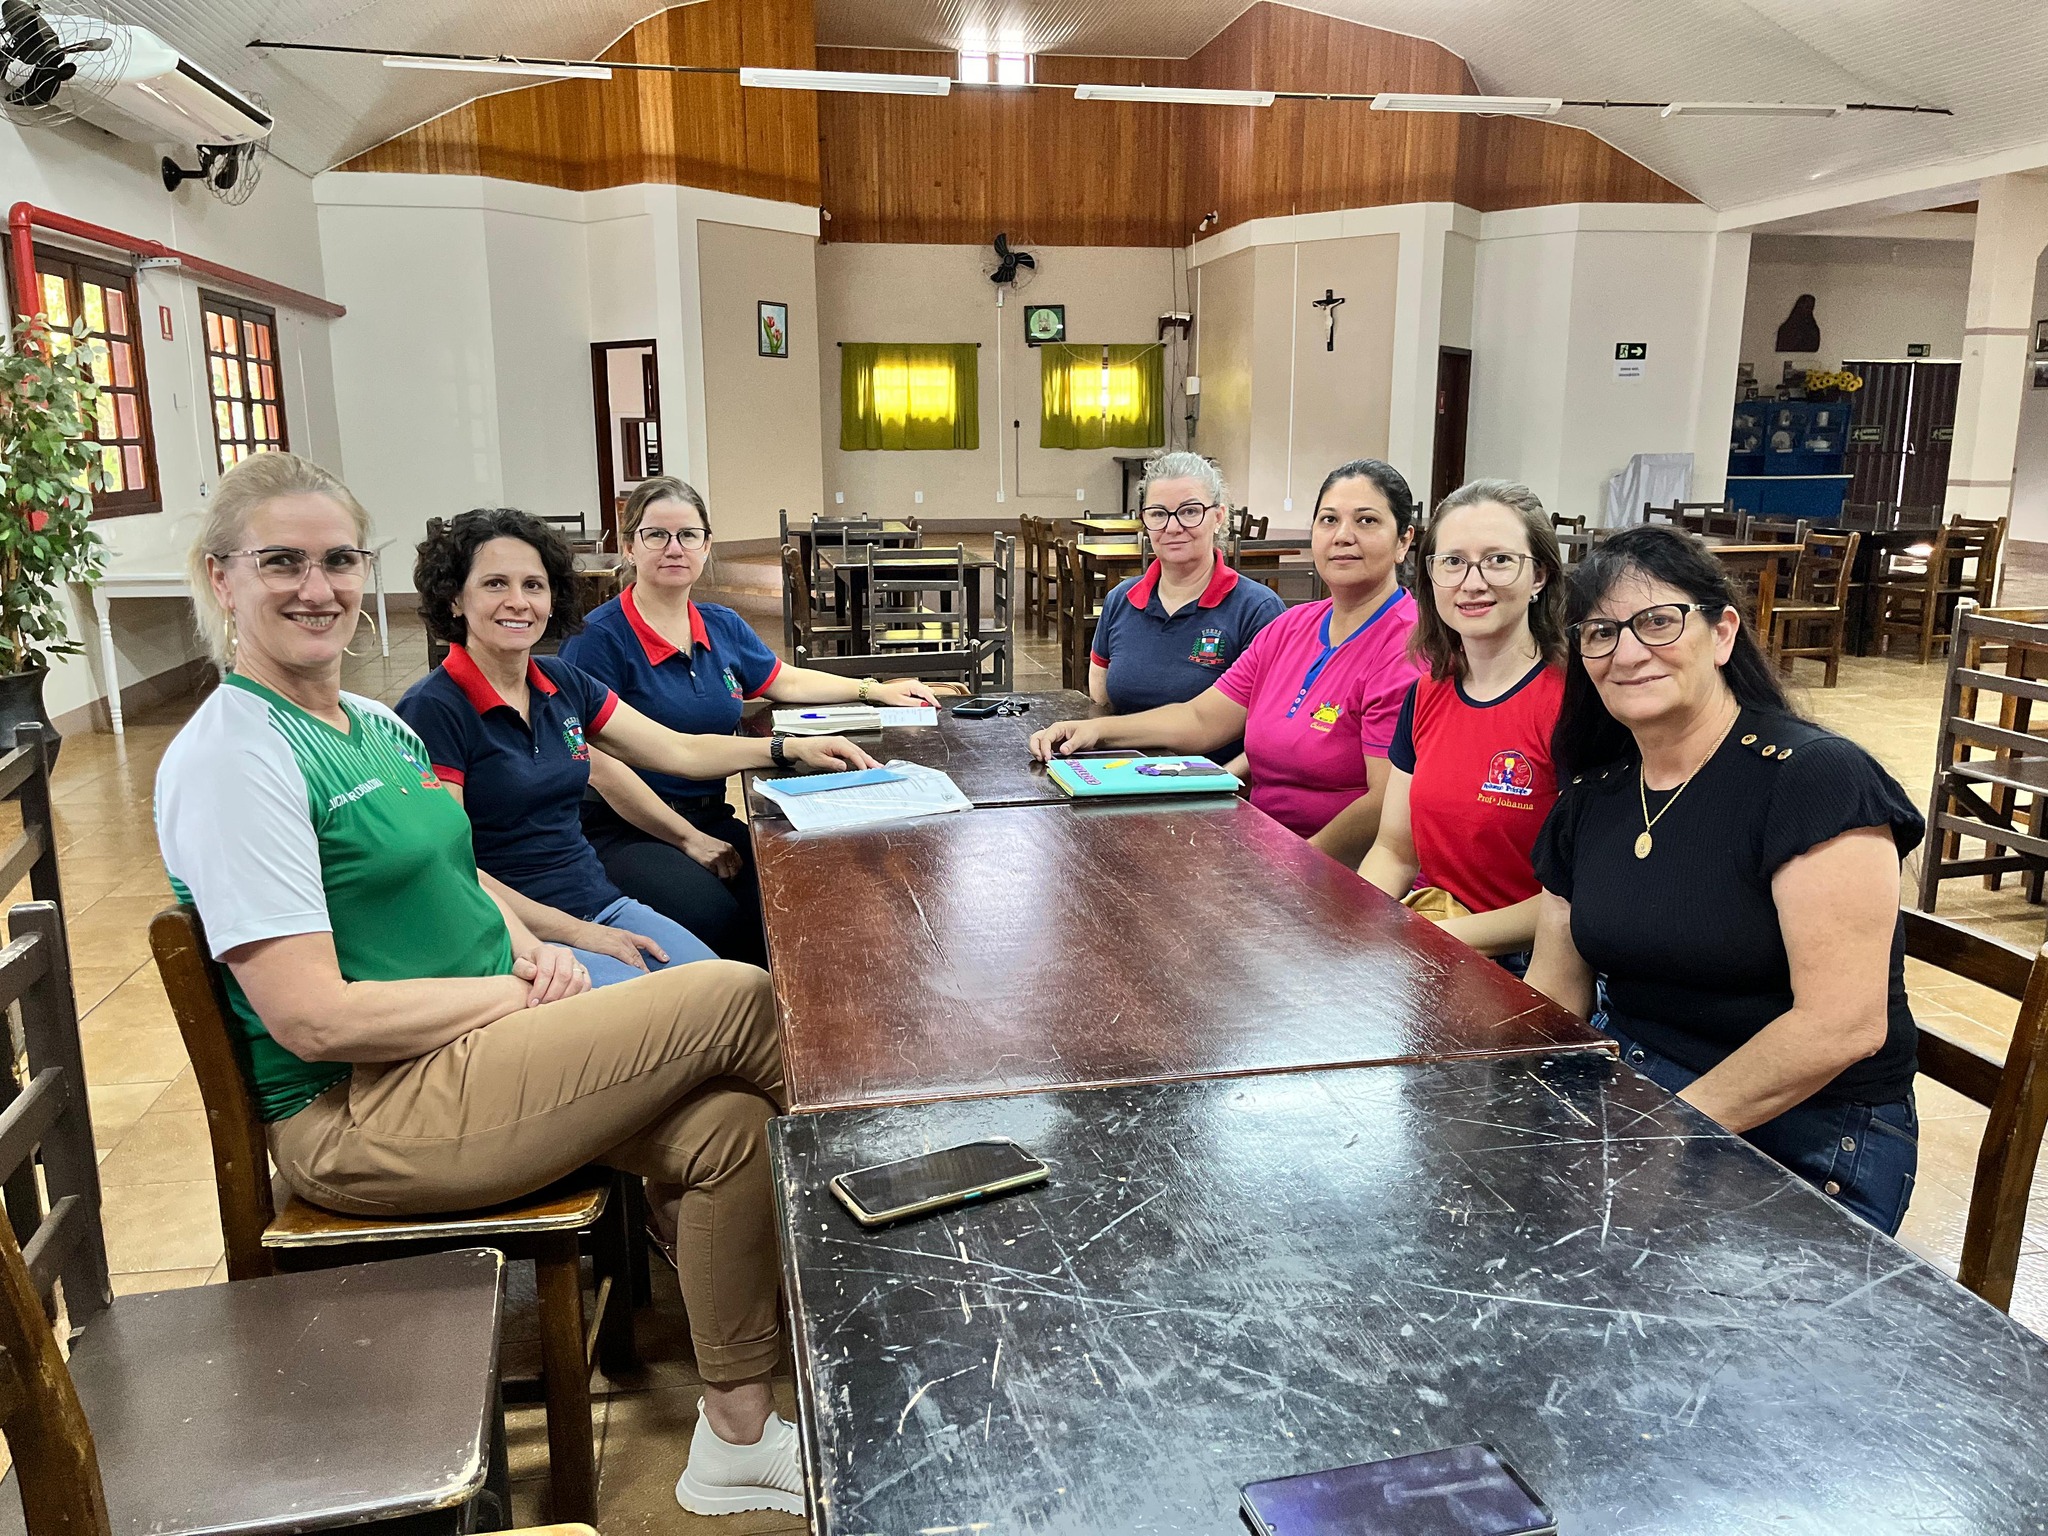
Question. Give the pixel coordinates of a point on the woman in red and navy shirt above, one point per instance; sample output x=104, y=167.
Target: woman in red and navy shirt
x=1472, y=779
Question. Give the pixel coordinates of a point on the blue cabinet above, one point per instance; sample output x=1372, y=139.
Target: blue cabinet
x=1788, y=458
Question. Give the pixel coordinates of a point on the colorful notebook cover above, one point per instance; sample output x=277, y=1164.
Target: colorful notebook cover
x=1088, y=777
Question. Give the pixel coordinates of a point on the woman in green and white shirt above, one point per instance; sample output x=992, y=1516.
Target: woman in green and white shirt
x=409, y=1042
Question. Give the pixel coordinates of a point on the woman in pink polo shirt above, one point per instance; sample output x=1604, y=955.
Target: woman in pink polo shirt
x=1316, y=695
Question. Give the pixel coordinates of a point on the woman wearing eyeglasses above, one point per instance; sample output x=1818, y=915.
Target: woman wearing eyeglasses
x=409, y=1043
x=1472, y=780
x=1167, y=635
x=671, y=841
x=1730, y=871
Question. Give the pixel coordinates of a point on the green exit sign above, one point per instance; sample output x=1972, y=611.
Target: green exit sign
x=1869, y=434
x=1631, y=351
x=1919, y=349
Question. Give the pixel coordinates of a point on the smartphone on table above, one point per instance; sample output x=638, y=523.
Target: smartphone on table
x=934, y=1181
x=1465, y=1490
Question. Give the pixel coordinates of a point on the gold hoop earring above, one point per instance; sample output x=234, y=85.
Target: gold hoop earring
x=234, y=635
x=362, y=618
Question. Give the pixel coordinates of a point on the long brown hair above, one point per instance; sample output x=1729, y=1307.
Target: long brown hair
x=1435, y=641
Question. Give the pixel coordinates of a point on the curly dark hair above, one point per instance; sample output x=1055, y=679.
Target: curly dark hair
x=449, y=549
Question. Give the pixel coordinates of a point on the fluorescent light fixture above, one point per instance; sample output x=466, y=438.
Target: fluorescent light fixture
x=505, y=67
x=1753, y=109
x=847, y=80
x=1496, y=106
x=1184, y=95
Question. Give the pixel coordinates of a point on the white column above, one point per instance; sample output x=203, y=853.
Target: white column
x=1720, y=355
x=2012, y=229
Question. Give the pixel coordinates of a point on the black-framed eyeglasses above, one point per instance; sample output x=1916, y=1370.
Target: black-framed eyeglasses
x=685, y=538
x=1188, y=514
x=284, y=569
x=1658, y=624
x=1499, y=569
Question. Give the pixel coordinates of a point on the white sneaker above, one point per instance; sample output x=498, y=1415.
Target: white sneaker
x=723, y=1479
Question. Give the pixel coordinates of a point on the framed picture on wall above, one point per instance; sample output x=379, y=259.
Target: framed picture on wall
x=774, y=329
x=2041, y=335
x=1045, y=323
x=2041, y=375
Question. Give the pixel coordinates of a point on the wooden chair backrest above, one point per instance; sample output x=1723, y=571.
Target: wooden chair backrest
x=2015, y=1092
x=1668, y=516
x=1002, y=580
x=1725, y=522
x=1821, y=574
x=1772, y=530
x=1559, y=523
x=25, y=779
x=241, y=1152
x=1254, y=527
x=959, y=666
x=1968, y=554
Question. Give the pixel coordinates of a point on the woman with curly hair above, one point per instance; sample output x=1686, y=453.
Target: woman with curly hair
x=510, y=734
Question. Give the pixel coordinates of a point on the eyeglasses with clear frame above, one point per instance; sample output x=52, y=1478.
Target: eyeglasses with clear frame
x=1498, y=569
x=1188, y=514
x=284, y=569
x=685, y=538
x=1658, y=624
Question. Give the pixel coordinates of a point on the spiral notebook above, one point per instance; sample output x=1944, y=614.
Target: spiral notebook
x=1087, y=778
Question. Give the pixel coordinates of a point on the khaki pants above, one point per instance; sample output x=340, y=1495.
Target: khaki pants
x=673, y=1076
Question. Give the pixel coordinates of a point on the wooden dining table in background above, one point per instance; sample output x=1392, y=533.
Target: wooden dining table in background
x=994, y=950
x=849, y=569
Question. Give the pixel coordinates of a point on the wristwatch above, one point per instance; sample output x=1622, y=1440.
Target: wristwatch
x=866, y=684
x=778, y=749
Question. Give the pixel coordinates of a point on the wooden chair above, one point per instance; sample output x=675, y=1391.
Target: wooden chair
x=1810, y=621
x=952, y=671
x=248, y=1407
x=1777, y=530
x=546, y=1227
x=1041, y=575
x=803, y=624
x=920, y=605
x=1001, y=628
x=1667, y=517
x=1698, y=516
x=25, y=779
x=2015, y=1091
x=1080, y=605
x=1721, y=521
x=1919, y=603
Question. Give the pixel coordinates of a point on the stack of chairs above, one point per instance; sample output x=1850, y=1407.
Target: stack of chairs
x=1811, y=620
x=1916, y=599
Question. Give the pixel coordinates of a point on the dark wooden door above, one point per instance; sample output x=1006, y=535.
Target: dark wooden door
x=601, y=405
x=1453, y=412
x=1930, y=434
x=1878, y=431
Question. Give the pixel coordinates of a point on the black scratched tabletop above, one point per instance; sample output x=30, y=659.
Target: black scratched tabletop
x=1238, y=1279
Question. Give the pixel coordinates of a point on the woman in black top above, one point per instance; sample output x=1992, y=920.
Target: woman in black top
x=1730, y=872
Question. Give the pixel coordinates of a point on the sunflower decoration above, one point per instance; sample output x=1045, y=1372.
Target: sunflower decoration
x=1820, y=381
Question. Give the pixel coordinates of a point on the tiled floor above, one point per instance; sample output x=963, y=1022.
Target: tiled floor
x=163, y=1226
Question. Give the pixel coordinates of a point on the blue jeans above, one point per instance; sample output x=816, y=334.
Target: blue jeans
x=682, y=945
x=1862, y=1156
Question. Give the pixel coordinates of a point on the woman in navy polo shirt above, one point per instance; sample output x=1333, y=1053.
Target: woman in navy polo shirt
x=675, y=843
x=1167, y=635
x=1472, y=779
x=510, y=734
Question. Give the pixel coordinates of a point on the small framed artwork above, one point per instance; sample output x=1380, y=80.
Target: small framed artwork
x=2041, y=335
x=774, y=329
x=1045, y=323
x=2041, y=375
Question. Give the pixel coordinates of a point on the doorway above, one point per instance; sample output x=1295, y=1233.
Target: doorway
x=1902, y=431
x=1453, y=413
x=625, y=394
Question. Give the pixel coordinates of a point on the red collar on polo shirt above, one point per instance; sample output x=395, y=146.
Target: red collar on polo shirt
x=1221, y=579
x=651, y=640
x=483, y=698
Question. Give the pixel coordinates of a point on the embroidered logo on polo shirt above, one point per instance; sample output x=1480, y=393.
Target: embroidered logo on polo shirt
x=732, y=684
x=1326, y=715
x=572, y=733
x=1509, y=774
x=1208, y=651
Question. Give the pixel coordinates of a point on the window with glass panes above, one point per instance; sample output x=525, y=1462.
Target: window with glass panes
x=105, y=297
x=242, y=379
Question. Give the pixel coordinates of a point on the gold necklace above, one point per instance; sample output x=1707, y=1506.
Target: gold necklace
x=1644, y=842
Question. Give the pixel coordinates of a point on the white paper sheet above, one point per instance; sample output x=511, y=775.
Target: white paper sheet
x=920, y=792
x=909, y=714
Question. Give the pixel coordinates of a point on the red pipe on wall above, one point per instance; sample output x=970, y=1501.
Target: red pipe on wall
x=23, y=218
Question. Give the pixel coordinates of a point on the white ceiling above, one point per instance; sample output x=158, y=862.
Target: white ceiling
x=1983, y=58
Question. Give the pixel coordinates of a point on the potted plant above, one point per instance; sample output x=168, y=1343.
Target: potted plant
x=48, y=468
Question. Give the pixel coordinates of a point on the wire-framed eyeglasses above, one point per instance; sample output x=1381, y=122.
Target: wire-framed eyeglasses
x=1498, y=569
x=284, y=569
x=1188, y=514
x=1658, y=624
x=685, y=538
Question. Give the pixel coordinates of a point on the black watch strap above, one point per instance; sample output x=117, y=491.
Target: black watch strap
x=778, y=749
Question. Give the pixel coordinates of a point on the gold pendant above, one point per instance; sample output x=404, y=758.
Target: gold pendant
x=1643, y=844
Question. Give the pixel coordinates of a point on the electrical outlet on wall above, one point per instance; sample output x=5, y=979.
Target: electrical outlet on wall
x=1287, y=505
x=999, y=498
x=918, y=497
x=839, y=497
x=1079, y=494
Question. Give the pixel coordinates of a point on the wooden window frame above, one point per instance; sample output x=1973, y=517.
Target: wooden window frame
x=240, y=313
x=69, y=267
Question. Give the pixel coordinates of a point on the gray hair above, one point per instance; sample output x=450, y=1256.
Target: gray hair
x=1179, y=464
x=260, y=478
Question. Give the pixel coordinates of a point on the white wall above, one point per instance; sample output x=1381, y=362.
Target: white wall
x=2030, y=466
x=937, y=293
x=80, y=171
x=1872, y=298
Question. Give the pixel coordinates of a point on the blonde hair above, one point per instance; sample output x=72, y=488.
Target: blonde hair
x=257, y=479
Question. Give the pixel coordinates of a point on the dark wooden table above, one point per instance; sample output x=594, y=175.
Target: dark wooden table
x=1232, y=1280
x=1873, y=551
x=1030, y=947
x=989, y=759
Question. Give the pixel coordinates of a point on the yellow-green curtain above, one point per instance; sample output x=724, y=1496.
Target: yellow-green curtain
x=1102, y=397
x=895, y=395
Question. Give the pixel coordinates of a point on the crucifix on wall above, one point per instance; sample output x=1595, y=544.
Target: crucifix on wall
x=1328, y=305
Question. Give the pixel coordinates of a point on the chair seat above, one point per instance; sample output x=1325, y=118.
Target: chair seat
x=1804, y=610
x=569, y=1205
x=298, y=1403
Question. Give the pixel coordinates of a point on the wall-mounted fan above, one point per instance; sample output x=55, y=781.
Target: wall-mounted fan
x=230, y=171
x=55, y=64
x=1009, y=270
